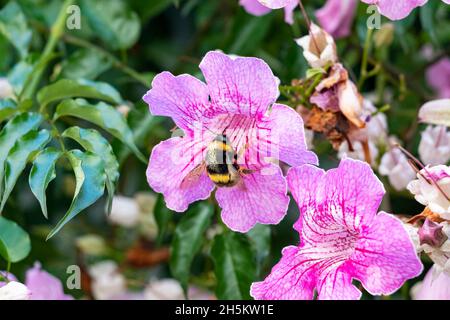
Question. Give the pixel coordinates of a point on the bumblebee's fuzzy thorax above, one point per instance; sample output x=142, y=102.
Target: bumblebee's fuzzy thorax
x=221, y=163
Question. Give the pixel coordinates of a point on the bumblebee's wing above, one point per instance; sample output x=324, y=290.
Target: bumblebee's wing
x=193, y=176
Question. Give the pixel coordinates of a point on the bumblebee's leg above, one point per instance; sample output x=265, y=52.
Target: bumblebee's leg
x=244, y=171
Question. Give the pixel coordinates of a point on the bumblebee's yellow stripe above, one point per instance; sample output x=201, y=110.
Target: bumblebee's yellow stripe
x=221, y=146
x=220, y=178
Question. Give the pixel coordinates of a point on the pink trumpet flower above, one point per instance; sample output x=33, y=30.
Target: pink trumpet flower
x=262, y=7
x=341, y=238
x=237, y=101
x=398, y=9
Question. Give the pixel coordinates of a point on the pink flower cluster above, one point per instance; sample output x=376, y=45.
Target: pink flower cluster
x=341, y=235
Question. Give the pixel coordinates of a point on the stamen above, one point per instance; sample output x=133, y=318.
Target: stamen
x=308, y=23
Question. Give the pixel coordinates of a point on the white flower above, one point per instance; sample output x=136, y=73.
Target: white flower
x=124, y=212
x=433, y=287
x=413, y=233
x=107, y=281
x=351, y=103
x=164, y=289
x=358, y=151
x=6, y=90
x=427, y=193
x=395, y=166
x=376, y=126
x=319, y=49
x=309, y=138
x=434, y=147
x=14, y=291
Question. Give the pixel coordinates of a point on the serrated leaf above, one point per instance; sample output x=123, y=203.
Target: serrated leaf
x=7, y=109
x=90, y=179
x=104, y=116
x=13, y=130
x=67, y=88
x=85, y=64
x=18, y=157
x=187, y=241
x=15, y=244
x=163, y=215
x=13, y=26
x=259, y=237
x=91, y=140
x=436, y=112
x=233, y=266
x=113, y=22
x=42, y=173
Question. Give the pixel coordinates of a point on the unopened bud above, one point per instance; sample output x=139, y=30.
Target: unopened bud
x=431, y=233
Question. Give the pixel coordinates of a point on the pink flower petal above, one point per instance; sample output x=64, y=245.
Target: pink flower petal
x=336, y=17
x=337, y=285
x=183, y=98
x=44, y=286
x=354, y=186
x=398, y=9
x=254, y=7
x=290, y=279
x=388, y=256
x=289, y=12
x=288, y=145
x=259, y=198
x=341, y=238
x=170, y=162
x=438, y=77
x=244, y=86
x=276, y=4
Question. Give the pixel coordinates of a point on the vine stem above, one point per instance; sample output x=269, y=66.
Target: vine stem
x=365, y=58
x=56, y=32
x=115, y=61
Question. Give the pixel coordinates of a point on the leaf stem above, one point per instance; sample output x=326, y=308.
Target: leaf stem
x=56, y=32
x=115, y=61
x=365, y=58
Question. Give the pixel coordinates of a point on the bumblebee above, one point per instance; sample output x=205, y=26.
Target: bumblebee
x=220, y=163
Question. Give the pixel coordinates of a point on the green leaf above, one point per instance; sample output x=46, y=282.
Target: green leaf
x=13, y=130
x=314, y=72
x=13, y=26
x=104, y=116
x=42, y=173
x=113, y=22
x=163, y=215
x=18, y=76
x=91, y=140
x=187, y=241
x=90, y=179
x=85, y=64
x=15, y=243
x=66, y=88
x=17, y=159
x=7, y=109
x=259, y=237
x=233, y=266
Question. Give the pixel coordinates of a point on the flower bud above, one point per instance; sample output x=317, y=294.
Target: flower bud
x=431, y=233
x=318, y=47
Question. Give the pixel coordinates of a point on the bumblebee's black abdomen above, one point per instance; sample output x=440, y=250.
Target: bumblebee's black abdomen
x=217, y=168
